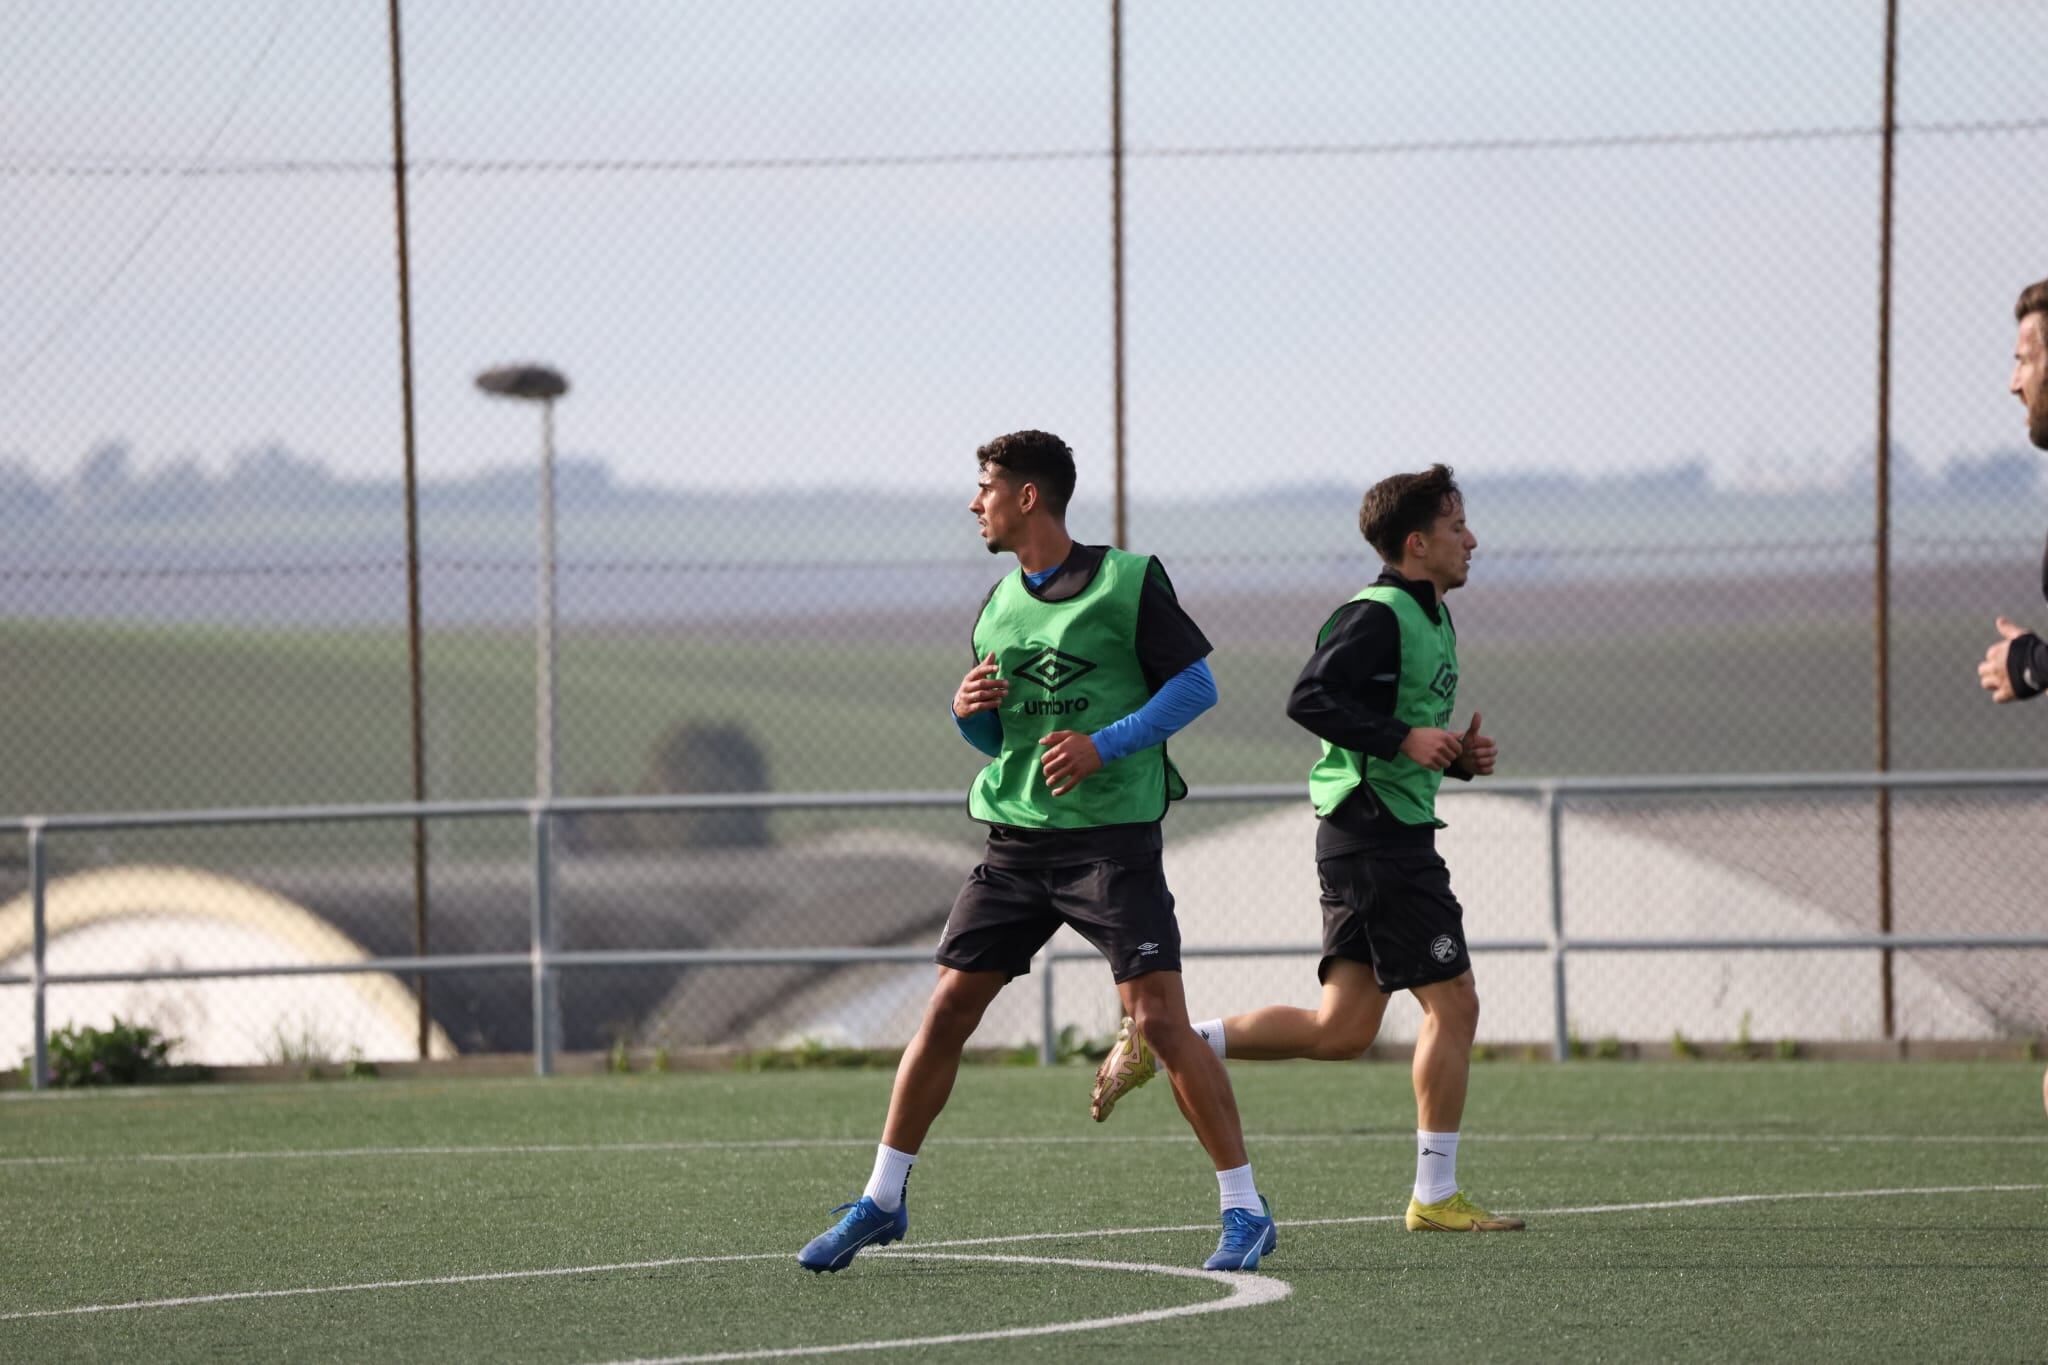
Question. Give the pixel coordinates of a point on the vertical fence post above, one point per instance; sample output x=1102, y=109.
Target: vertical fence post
x=543, y=943
x=412, y=525
x=1883, y=606
x=1553, y=826
x=1048, y=1043
x=38, y=884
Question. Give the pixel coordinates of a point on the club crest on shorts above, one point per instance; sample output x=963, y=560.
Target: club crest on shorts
x=1444, y=948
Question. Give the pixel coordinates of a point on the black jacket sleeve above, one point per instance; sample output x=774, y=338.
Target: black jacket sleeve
x=1168, y=638
x=2026, y=665
x=1346, y=690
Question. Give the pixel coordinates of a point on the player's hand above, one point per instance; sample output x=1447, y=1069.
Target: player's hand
x=1477, y=751
x=1993, y=675
x=1436, y=749
x=981, y=689
x=1069, y=756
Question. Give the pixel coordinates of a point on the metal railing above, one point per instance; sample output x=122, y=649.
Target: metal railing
x=544, y=961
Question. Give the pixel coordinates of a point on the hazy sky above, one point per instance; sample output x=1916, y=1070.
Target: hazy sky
x=197, y=251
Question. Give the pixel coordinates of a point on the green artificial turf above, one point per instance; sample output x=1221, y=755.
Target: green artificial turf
x=121, y=1197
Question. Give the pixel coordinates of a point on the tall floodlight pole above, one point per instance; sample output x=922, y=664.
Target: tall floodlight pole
x=538, y=383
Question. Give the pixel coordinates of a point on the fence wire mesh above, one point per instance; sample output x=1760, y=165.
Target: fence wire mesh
x=1617, y=263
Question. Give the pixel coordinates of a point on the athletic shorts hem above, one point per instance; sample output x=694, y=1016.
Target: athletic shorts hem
x=1414, y=983
x=961, y=965
x=1003, y=917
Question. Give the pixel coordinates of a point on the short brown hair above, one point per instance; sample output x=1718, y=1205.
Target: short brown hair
x=2033, y=299
x=1396, y=508
x=1034, y=457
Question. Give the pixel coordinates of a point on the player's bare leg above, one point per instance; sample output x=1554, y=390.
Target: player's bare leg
x=1443, y=1051
x=1442, y=1070
x=1158, y=1009
x=1343, y=1026
x=925, y=1076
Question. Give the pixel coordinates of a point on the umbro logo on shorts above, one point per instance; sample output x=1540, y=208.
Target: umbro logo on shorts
x=1444, y=948
x=1147, y=949
x=1053, y=669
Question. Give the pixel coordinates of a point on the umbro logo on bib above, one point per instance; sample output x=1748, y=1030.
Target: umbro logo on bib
x=1053, y=669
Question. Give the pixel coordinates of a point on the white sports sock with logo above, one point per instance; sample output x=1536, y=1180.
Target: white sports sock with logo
x=1436, y=1166
x=1212, y=1034
x=892, y=1173
x=1238, y=1190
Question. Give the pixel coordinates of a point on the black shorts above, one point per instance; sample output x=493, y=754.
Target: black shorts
x=1393, y=909
x=1005, y=914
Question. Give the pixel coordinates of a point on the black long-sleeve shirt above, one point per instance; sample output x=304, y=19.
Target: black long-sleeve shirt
x=1345, y=695
x=2026, y=663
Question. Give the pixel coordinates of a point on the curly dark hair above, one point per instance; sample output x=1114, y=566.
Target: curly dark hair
x=1395, y=508
x=1037, y=457
x=2033, y=299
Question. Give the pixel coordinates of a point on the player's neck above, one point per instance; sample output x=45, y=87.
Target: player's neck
x=1415, y=573
x=1046, y=546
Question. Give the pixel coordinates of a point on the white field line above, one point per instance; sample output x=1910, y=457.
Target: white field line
x=1050, y=1140
x=1246, y=1291
x=1008, y=1239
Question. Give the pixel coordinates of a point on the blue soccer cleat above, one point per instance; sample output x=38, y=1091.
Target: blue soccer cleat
x=1247, y=1236
x=866, y=1224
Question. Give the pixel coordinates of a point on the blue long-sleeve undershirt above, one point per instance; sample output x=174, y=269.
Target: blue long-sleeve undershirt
x=1187, y=694
x=982, y=729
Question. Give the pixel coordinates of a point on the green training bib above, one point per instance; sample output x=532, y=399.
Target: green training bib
x=1426, y=695
x=1071, y=665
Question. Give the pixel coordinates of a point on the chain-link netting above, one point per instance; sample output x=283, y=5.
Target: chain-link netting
x=1804, y=866
x=1619, y=264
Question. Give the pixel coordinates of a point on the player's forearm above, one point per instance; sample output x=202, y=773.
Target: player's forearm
x=1187, y=694
x=983, y=729
x=1344, y=722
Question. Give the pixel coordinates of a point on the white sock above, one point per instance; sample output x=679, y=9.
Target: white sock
x=891, y=1177
x=1436, y=1166
x=1237, y=1189
x=1212, y=1034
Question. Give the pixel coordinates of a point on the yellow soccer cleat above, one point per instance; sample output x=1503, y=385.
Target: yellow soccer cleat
x=1457, y=1214
x=1129, y=1065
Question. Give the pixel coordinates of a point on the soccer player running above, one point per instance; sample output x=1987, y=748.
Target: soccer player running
x=1379, y=692
x=2016, y=667
x=1079, y=636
